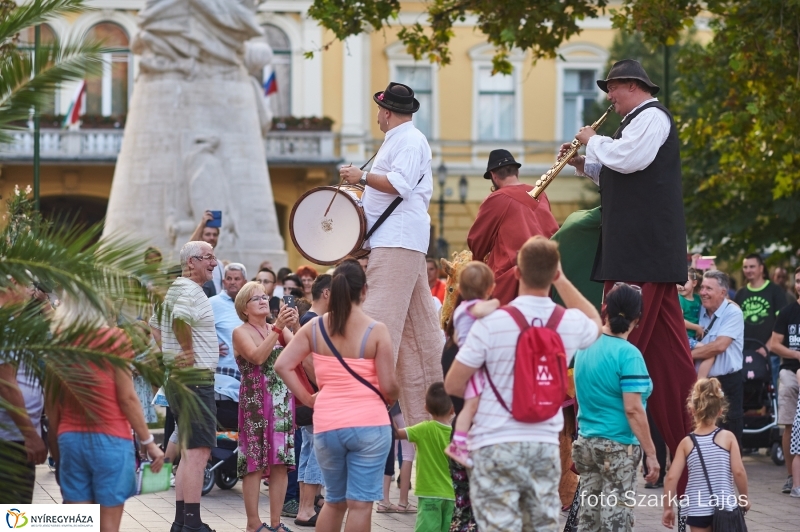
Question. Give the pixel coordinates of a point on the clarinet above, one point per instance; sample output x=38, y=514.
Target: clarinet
x=551, y=174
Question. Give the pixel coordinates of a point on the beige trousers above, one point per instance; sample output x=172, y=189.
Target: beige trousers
x=398, y=295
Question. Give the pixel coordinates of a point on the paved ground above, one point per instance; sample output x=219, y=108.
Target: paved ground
x=224, y=510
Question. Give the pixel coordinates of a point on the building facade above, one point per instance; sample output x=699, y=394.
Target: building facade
x=465, y=113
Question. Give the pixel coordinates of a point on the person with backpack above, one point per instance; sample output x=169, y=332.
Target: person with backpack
x=523, y=349
x=612, y=386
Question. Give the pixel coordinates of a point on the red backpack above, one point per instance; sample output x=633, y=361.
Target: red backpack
x=540, y=369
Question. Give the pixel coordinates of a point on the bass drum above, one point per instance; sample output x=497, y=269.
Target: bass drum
x=329, y=239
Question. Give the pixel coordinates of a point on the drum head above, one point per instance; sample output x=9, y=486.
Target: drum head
x=328, y=239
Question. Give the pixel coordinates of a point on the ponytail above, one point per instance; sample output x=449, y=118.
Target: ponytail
x=347, y=283
x=623, y=306
x=707, y=401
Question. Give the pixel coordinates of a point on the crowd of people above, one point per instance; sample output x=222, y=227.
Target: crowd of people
x=328, y=378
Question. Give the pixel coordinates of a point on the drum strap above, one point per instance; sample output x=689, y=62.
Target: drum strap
x=389, y=210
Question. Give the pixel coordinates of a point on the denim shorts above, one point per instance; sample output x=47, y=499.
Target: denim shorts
x=308, y=470
x=96, y=468
x=352, y=462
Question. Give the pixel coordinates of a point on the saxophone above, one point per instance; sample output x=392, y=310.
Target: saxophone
x=551, y=174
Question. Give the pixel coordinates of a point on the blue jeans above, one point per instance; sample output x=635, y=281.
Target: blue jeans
x=308, y=470
x=352, y=461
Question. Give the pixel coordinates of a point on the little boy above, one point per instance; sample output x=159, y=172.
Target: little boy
x=434, y=487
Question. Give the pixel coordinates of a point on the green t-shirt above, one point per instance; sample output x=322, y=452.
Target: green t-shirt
x=603, y=372
x=433, y=471
x=691, y=311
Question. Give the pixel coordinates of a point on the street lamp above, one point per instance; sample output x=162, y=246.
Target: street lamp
x=441, y=243
x=462, y=189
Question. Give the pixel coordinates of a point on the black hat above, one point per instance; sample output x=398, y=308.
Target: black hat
x=628, y=69
x=398, y=98
x=498, y=158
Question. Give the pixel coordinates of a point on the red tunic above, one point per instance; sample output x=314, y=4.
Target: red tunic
x=505, y=221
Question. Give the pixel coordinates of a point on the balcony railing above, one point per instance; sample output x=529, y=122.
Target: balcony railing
x=292, y=147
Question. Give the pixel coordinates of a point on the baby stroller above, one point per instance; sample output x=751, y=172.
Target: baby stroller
x=760, y=403
x=221, y=466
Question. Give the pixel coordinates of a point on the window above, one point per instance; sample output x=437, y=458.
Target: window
x=419, y=78
x=107, y=95
x=280, y=101
x=579, y=93
x=496, y=106
x=27, y=41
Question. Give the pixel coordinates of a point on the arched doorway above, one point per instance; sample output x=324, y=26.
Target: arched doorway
x=82, y=210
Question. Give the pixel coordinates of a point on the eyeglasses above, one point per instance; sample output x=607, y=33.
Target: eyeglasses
x=204, y=257
x=258, y=298
x=634, y=286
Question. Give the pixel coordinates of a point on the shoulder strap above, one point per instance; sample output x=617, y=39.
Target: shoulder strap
x=702, y=462
x=516, y=313
x=389, y=210
x=364, y=340
x=555, y=318
x=338, y=356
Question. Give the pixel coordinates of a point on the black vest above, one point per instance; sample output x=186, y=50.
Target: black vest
x=643, y=231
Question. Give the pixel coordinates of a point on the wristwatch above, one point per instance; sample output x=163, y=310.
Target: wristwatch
x=363, y=180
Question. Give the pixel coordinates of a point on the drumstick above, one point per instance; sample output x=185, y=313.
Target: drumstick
x=335, y=193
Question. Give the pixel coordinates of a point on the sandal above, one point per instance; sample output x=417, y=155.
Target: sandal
x=407, y=508
x=388, y=508
x=310, y=522
x=280, y=528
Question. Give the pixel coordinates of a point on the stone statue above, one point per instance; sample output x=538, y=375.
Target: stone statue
x=194, y=135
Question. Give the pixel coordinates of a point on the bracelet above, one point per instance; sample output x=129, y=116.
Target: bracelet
x=277, y=330
x=148, y=441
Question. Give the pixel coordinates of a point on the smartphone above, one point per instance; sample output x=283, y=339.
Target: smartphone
x=274, y=306
x=216, y=221
x=706, y=262
x=289, y=301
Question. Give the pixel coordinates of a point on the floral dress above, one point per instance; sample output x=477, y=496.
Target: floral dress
x=266, y=412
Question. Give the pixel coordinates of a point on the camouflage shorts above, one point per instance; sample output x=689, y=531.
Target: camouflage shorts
x=608, y=483
x=514, y=487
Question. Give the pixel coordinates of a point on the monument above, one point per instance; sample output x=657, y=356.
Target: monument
x=193, y=138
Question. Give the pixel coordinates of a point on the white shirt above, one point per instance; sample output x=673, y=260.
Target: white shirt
x=186, y=301
x=635, y=150
x=403, y=158
x=493, y=341
x=34, y=404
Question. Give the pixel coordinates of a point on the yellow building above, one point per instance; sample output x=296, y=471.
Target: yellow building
x=466, y=112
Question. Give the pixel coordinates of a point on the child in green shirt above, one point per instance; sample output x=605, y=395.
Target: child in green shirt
x=690, y=305
x=434, y=488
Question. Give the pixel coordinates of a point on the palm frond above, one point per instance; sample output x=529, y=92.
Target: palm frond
x=23, y=88
x=37, y=12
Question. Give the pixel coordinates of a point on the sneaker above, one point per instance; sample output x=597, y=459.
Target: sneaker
x=202, y=528
x=795, y=492
x=459, y=454
x=787, y=486
x=290, y=508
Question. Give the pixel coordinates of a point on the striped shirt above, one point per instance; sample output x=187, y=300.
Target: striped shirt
x=187, y=302
x=718, y=464
x=493, y=341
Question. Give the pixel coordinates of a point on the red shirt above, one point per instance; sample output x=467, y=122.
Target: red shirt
x=505, y=221
x=439, y=290
x=100, y=412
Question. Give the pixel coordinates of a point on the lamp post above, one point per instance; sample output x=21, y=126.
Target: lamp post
x=462, y=189
x=441, y=244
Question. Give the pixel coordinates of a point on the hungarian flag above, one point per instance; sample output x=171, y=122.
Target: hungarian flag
x=76, y=105
x=271, y=84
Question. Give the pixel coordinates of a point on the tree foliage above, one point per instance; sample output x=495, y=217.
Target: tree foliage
x=737, y=103
x=538, y=26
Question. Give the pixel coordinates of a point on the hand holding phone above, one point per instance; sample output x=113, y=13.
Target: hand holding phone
x=289, y=301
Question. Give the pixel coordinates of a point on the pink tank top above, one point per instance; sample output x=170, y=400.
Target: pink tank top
x=343, y=402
